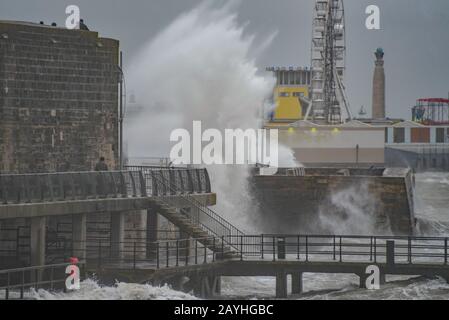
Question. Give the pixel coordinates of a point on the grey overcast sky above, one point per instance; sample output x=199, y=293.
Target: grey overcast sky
x=414, y=35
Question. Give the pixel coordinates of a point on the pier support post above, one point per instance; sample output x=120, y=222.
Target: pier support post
x=207, y=286
x=117, y=234
x=281, y=285
x=362, y=280
x=37, y=245
x=152, y=228
x=79, y=231
x=297, y=287
x=382, y=278
x=217, y=285
x=37, y=240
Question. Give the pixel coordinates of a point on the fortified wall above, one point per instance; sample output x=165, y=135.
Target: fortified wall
x=318, y=199
x=58, y=112
x=58, y=98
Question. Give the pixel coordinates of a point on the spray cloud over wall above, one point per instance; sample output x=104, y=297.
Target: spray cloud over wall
x=352, y=211
x=201, y=67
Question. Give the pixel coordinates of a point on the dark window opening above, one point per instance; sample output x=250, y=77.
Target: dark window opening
x=399, y=135
x=440, y=135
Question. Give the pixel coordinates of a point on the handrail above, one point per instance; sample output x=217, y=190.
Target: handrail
x=324, y=249
x=345, y=248
x=43, y=276
x=208, y=219
x=43, y=267
x=62, y=186
x=186, y=180
x=218, y=226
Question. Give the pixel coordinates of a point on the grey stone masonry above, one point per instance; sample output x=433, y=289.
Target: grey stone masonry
x=58, y=98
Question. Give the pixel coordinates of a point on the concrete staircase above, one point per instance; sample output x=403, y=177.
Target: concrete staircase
x=194, y=229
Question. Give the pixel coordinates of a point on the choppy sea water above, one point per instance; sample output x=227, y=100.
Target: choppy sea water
x=432, y=211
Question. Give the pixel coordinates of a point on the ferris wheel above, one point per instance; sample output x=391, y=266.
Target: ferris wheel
x=328, y=97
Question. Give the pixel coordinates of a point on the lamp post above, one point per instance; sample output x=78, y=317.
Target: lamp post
x=120, y=119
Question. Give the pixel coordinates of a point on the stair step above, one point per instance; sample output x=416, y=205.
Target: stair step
x=186, y=224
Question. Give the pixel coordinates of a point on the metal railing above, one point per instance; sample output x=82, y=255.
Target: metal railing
x=323, y=249
x=305, y=248
x=363, y=249
x=159, y=162
x=200, y=214
x=14, y=244
x=183, y=180
x=15, y=282
x=49, y=187
x=142, y=254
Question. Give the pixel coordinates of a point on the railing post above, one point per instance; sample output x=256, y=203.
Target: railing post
x=123, y=187
x=307, y=248
x=187, y=243
x=445, y=251
x=190, y=181
x=335, y=248
x=198, y=178
x=213, y=252
x=205, y=254
x=390, y=253
x=222, y=248
x=177, y=252
x=375, y=249
x=281, y=248
x=157, y=255
x=371, y=249
x=298, y=248
x=261, y=245
x=341, y=253
x=133, y=183
x=134, y=255
x=274, y=249
x=171, y=182
x=167, y=254
x=409, y=251
x=143, y=188
x=241, y=248
x=154, y=190
x=181, y=182
x=196, y=251
x=206, y=176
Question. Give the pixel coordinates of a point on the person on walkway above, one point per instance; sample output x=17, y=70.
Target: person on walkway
x=102, y=183
x=101, y=165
